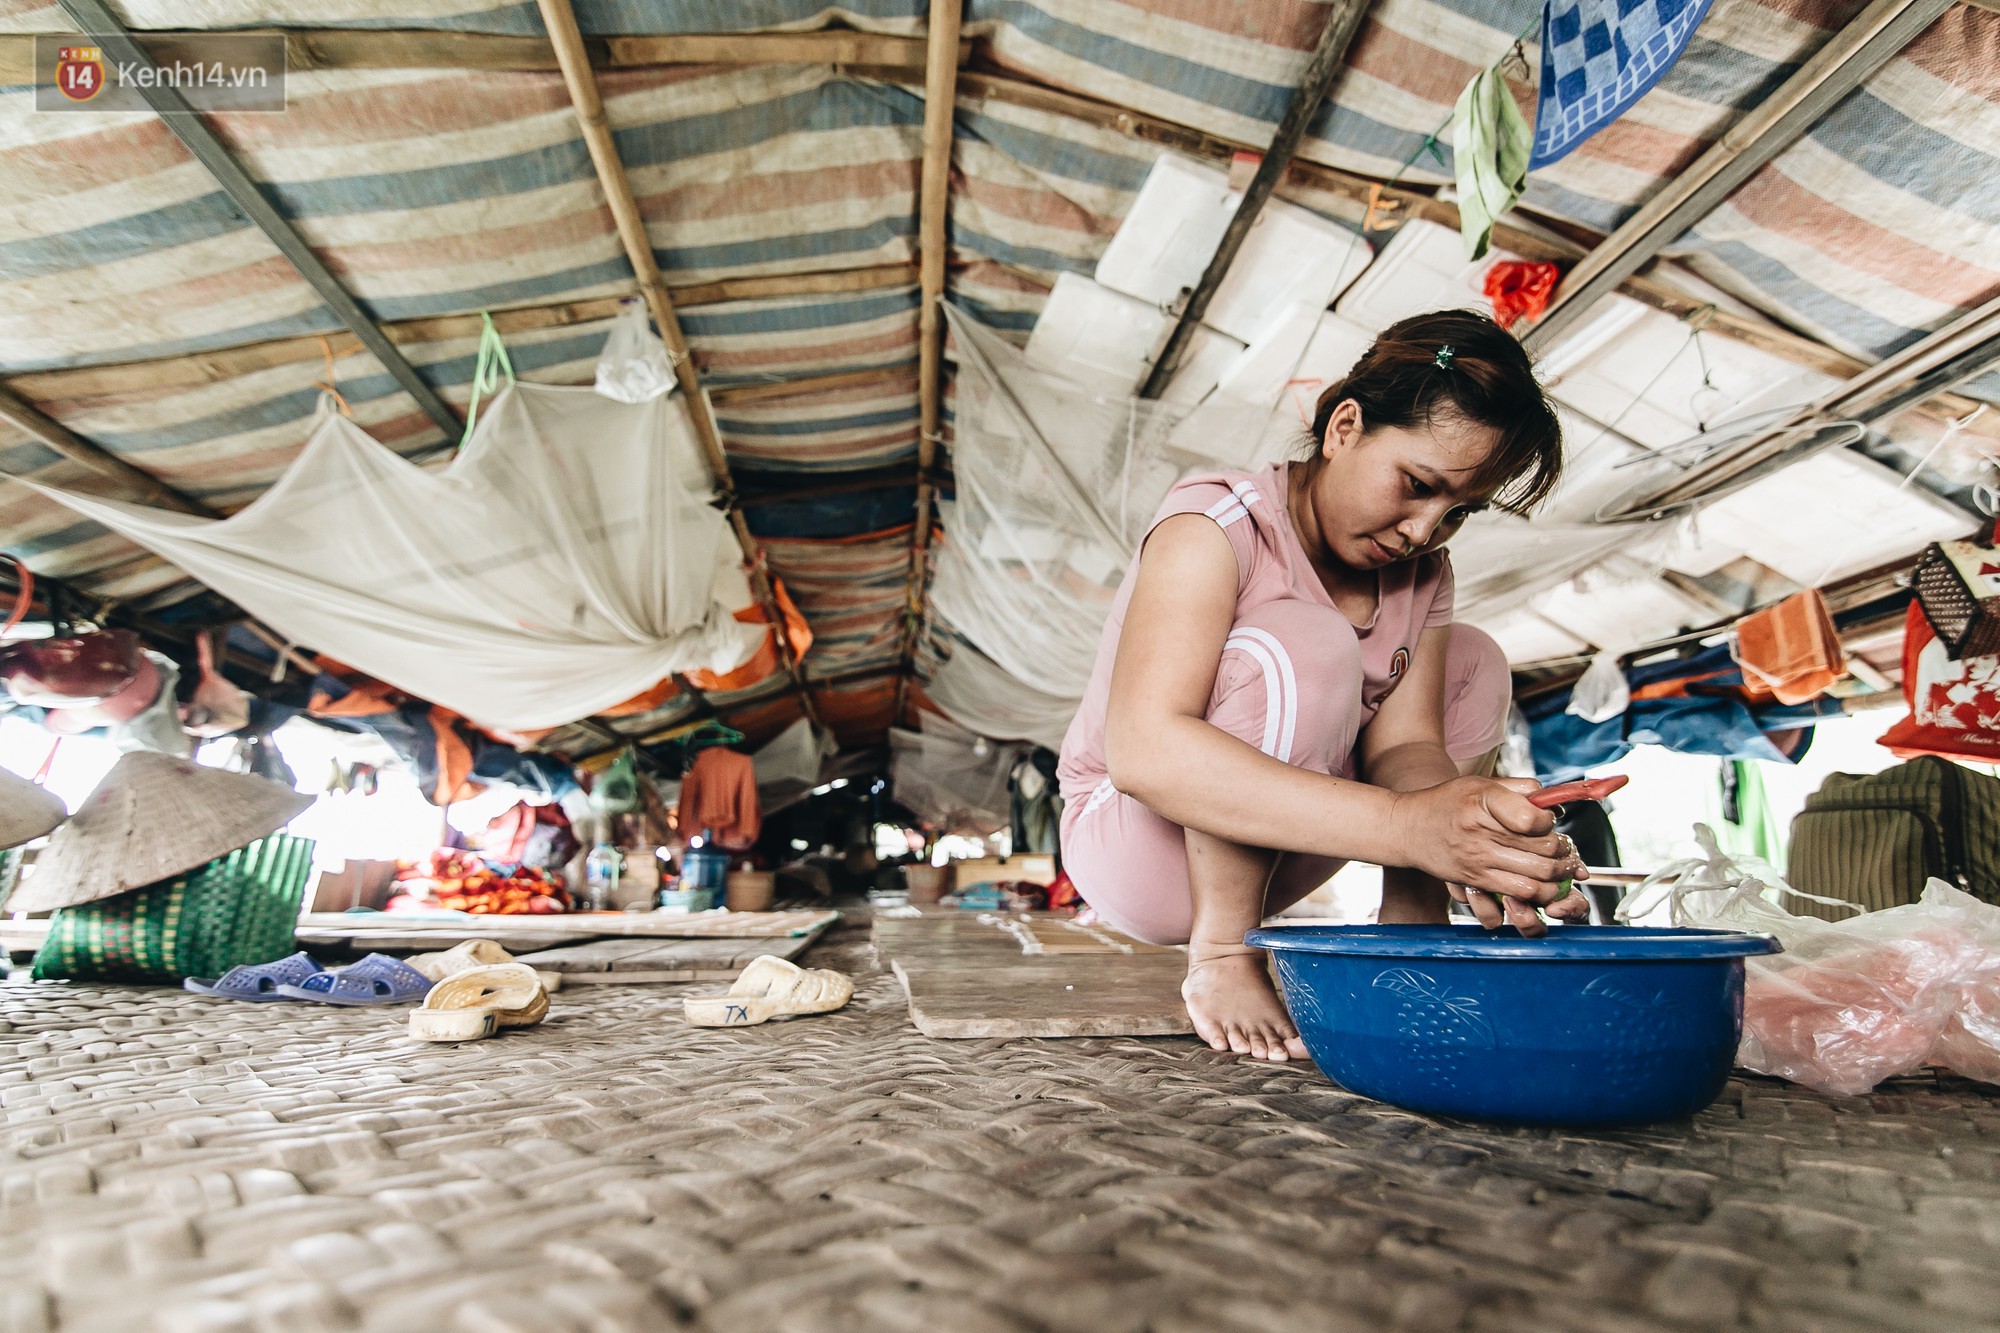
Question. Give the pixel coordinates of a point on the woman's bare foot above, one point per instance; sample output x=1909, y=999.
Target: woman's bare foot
x=1234, y=1006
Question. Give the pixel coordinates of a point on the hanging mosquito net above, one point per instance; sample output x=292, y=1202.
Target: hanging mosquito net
x=565, y=560
x=1056, y=485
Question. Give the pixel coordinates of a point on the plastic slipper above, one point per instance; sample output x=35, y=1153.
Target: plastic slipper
x=460, y=958
x=257, y=983
x=473, y=953
x=479, y=1002
x=376, y=979
x=771, y=988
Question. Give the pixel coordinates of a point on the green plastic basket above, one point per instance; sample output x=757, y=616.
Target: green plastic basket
x=240, y=908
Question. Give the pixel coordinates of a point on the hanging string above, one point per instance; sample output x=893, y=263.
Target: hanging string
x=330, y=385
x=486, y=371
x=24, y=598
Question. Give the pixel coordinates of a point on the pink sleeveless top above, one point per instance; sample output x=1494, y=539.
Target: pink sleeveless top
x=1271, y=566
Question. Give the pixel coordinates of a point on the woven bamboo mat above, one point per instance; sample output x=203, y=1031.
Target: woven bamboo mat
x=172, y=1163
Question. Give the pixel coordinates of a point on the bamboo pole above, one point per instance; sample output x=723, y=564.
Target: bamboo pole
x=132, y=483
x=933, y=219
x=571, y=54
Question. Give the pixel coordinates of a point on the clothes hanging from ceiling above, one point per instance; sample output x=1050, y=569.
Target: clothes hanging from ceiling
x=719, y=798
x=1695, y=705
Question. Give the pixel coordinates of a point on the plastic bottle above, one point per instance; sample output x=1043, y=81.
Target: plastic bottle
x=600, y=876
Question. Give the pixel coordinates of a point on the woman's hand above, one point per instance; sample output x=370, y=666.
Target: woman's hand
x=1483, y=834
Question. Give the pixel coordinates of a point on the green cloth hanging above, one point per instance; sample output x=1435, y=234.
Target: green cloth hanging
x=1754, y=831
x=486, y=372
x=1491, y=142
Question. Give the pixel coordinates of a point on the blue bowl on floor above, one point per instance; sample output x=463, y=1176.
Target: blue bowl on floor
x=1592, y=1025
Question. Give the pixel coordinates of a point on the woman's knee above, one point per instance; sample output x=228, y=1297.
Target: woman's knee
x=1478, y=687
x=1288, y=683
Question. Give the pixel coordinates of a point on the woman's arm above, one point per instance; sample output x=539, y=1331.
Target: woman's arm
x=1402, y=749
x=1163, y=753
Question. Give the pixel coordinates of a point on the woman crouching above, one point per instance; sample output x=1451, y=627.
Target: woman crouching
x=1280, y=687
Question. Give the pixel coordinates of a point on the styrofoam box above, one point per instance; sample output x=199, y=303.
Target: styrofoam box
x=1526, y=637
x=1422, y=268
x=1170, y=233
x=1617, y=613
x=1259, y=374
x=1094, y=336
x=1639, y=367
x=1291, y=256
x=1831, y=515
x=1103, y=340
x=1208, y=358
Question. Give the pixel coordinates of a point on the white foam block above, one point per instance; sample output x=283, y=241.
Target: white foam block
x=1615, y=613
x=1259, y=373
x=1830, y=515
x=1526, y=637
x=1421, y=269
x=1170, y=233
x=1094, y=336
x=1292, y=255
x=1209, y=356
x=1640, y=368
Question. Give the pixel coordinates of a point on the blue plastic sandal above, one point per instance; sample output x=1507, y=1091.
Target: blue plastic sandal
x=258, y=983
x=376, y=979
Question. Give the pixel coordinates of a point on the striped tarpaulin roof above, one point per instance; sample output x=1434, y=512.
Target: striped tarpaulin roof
x=438, y=193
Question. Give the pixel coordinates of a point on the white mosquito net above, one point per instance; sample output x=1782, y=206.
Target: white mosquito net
x=1055, y=487
x=565, y=560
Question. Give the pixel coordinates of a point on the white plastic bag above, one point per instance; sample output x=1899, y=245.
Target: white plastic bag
x=1601, y=693
x=634, y=365
x=1848, y=1003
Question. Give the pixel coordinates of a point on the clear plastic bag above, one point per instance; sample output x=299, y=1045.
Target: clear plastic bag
x=635, y=365
x=1602, y=692
x=1848, y=1003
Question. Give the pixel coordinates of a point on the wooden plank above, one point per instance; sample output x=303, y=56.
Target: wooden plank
x=186, y=372
x=649, y=962
x=832, y=282
x=846, y=379
x=134, y=484
x=966, y=979
x=397, y=930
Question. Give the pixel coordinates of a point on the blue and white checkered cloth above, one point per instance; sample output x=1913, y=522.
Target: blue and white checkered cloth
x=1599, y=57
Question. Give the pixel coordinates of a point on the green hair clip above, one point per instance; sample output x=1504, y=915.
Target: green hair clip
x=1444, y=357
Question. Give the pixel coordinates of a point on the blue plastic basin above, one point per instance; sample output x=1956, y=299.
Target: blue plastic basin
x=1592, y=1025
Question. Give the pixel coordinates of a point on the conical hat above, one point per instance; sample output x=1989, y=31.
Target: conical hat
x=153, y=817
x=26, y=811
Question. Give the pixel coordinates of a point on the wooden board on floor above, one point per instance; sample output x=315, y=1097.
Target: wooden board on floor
x=396, y=930
x=965, y=978
x=642, y=961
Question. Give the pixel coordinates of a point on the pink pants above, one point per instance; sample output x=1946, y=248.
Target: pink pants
x=1289, y=684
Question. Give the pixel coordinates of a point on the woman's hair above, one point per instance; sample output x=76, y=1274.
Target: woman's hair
x=1457, y=365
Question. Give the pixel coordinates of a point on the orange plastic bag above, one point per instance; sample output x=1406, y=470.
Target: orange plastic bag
x=765, y=660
